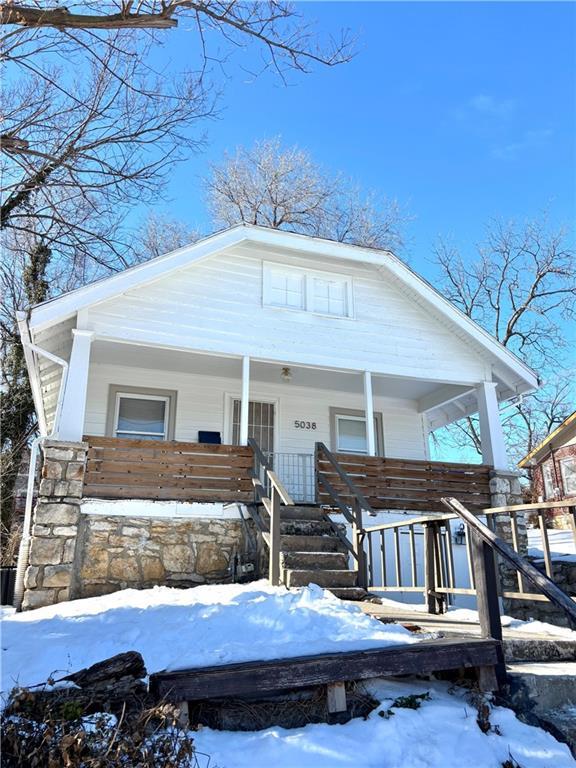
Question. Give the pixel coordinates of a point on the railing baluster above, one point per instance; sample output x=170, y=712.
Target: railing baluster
x=469, y=558
x=432, y=601
x=370, y=562
x=397, y=556
x=515, y=546
x=413, y=570
x=545, y=542
x=450, y=559
x=383, y=561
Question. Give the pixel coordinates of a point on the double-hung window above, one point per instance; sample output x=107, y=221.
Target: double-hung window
x=568, y=470
x=141, y=414
x=321, y=293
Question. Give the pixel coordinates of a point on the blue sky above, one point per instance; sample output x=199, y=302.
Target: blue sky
x=461, y=111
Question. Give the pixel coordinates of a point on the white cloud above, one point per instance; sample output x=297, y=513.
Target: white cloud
x=528, y=140
x=485, y=104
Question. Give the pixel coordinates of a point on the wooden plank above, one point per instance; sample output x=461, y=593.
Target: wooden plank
x=336, y=697
x=260, y=677
x=161, y=468
x=118, y=443
x=165, y=481
x=99, y=491
x=139, y=460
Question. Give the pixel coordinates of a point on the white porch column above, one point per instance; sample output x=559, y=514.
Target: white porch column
x=74, y=401
x=245, y=401
x=369, y=414
x=491, y=434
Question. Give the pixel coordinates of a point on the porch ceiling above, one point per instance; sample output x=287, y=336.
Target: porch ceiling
x=104, y=352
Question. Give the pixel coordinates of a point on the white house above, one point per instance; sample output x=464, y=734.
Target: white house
x=259, y=333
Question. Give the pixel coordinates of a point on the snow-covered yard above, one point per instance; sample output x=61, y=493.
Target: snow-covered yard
x=176, y=628
x=443, y=733
x=223, y=624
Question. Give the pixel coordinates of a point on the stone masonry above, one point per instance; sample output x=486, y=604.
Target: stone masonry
x=49, y=574
x=119, y=552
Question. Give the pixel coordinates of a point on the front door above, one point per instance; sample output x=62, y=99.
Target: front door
x=261, y=418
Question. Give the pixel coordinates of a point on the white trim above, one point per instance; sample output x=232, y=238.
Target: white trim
x=143, y=508
x=369, y=414
x=349, y=417
x=141, y=396
x=491, y=434
x=71, y=426
x=244, y=401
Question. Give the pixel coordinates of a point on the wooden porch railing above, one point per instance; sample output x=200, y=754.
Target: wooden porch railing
x=432, y=570
x=270, y=492
x=148, y=469
x=388, y=483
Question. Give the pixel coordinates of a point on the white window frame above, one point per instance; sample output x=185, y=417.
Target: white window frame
x=342, y=416
x=563, y=462
x=307, y=276
x=140, y=433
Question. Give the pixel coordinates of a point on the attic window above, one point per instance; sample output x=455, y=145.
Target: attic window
x=321, y=293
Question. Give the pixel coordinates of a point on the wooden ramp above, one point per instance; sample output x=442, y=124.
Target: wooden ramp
x=268, y=677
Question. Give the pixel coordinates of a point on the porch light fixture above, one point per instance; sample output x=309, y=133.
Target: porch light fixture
x=286, y=375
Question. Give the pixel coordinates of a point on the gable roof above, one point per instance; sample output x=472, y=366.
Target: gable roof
x=58, y=309
x=554, y=440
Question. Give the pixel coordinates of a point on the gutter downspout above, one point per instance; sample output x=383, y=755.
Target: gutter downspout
x=24, y=550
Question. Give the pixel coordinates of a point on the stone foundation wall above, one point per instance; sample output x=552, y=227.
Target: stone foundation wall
x=49, y=574
x=74, y=554
x=120, y=552
x=564, y=575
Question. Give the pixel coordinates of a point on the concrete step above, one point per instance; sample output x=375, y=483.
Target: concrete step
x=301, y=513
x=349, y=593
x=305, y=527
x=544, y=693
x=311, y=560
x=310, y=544
x=538, y=650
x=323, y=578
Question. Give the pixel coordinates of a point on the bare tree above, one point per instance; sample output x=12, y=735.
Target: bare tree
x=521, y=287
x=160, y=234
x=284, y=188
x=90, y=129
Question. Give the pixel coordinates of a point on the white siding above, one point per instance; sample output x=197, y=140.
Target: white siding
x=203, y=404
x=216, y=305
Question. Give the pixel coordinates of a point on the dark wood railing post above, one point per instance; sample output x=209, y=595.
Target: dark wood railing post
x=274, y=570
x=433, y=599
x=358, y=544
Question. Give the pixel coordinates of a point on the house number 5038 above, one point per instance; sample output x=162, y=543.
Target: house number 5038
x=304, y=424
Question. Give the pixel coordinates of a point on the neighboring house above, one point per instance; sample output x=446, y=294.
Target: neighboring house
x=552, y=464
x=249, y=333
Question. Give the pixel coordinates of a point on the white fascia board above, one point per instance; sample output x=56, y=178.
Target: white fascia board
x=52, y=311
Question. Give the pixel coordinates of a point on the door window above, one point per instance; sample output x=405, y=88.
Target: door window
x=260, y=424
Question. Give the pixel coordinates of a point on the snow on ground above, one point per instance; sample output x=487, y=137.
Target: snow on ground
x=562, y=544
x=469, y=616
x=443, y=733
x=177, y=628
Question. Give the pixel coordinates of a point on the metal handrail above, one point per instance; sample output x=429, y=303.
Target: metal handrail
x=342, y=474
x=271, y=501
